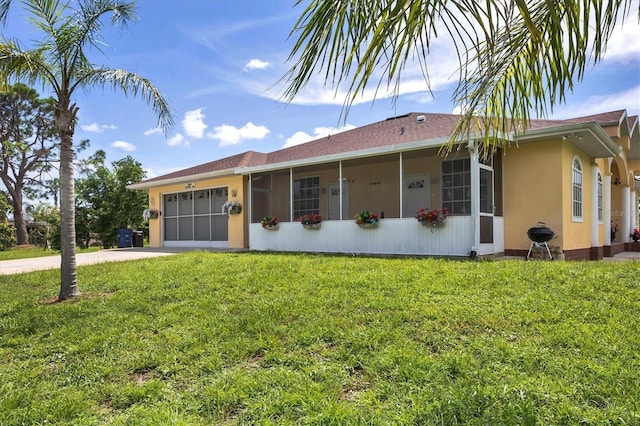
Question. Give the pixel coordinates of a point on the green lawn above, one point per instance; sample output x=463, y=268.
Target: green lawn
x=244, y=338
x=32, y=251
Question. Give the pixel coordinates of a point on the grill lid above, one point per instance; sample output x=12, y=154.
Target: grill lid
x=540, y=233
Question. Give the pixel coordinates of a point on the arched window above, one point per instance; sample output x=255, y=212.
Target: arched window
x=576, y=185
x=599, y=198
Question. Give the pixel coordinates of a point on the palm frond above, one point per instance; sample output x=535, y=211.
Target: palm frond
x=4, y=10
x=132, y=84
x=28, y=66
x=517, y=58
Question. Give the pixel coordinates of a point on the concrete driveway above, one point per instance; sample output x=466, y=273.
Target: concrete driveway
x=8, y=267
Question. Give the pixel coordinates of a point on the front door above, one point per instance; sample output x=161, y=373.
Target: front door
x=334, y=201
x=416, y=194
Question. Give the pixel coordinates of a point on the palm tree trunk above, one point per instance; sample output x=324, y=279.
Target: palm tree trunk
x=65, y=123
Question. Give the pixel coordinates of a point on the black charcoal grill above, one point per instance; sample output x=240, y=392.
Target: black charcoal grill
x=539, y=236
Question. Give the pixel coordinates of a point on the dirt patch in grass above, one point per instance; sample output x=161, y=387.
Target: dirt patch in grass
x=85, y=296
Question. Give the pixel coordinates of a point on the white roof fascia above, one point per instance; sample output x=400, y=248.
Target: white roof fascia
x=181, y=179
x=350, y=155
x=594, y=128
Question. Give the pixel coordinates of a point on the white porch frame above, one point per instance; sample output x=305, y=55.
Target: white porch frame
x=399, y=236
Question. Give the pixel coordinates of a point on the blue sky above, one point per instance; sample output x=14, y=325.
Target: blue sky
x=219, y=63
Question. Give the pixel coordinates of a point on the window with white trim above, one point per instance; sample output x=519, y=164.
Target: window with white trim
x=599, y=198
x=306, y=196
x=456, y=186
x=576, y=186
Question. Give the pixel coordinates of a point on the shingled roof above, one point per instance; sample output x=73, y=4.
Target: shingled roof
x=394, y=131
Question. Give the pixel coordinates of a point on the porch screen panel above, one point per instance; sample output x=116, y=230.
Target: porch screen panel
x=486, y=191
x=260, y=205
x=202, y=202
x=219, y=229
x=202, y=228
x=185, y=203
x=170, y=217
x=171, y=205
x=486, y=229
x=456, y=186
x=171, y=229
x=218, y=198
x=185, y=228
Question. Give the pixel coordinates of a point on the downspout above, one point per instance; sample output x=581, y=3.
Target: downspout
x=475, y=197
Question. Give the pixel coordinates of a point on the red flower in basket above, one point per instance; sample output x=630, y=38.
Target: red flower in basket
x=434, y=217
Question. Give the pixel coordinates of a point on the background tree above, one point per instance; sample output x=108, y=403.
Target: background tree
x=515, y=56
x=29, y=144
x=104, y=204
x=7, y=232
x=58, y=60
x=47, y=219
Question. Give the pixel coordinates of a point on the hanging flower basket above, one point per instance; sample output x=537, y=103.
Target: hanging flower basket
x=366, y=219
x=269, y=223
x=231, y=207
x=432, y=218
x=311, y=225
x=368, y=225
x=310, y=221
x=150, y=214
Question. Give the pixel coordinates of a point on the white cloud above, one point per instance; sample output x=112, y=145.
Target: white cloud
x=256, y=64
x=153, y=131
x=177, y=140
x=98, y=128
x=442, y=70
x=193, y=123
x=231, y=135
x=629, y=100
x=125, y=146
x=319, y=132
x=624, y=44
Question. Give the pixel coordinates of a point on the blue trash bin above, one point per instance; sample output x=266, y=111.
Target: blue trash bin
x=125, y=238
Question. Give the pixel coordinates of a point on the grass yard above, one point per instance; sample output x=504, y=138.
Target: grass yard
x=243, y=338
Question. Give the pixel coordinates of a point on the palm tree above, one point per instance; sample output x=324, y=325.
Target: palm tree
x=515, y=56
x=58, y=61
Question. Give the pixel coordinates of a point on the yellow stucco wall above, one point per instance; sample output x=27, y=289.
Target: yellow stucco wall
x=544, y=193
x=236, y=228
x=527, y=195
x=576, y=234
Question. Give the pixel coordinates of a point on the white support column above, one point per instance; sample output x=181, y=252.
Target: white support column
x=633, y=211
x=626, y=208
x=340, y=178
x=250, y=200
x=594, y=206
x=401, y=185
x=291, y=218
x=475, y=194
x=607, y=209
